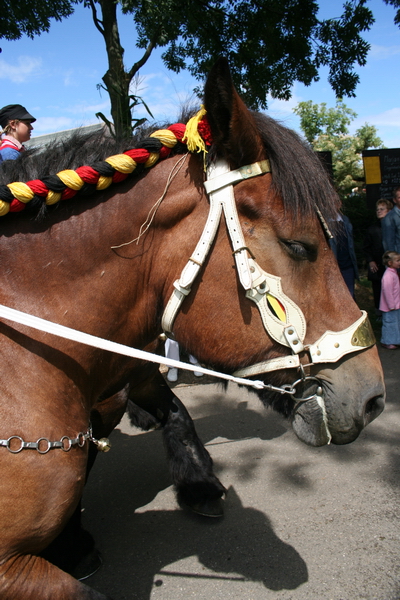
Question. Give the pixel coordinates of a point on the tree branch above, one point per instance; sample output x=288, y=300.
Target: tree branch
x=137, y=65
x=96, y=20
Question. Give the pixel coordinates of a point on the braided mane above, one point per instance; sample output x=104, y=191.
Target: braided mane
x=298, y=175
x=84, y=180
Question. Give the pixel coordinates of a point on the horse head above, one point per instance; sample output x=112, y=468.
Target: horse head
x=270, y=300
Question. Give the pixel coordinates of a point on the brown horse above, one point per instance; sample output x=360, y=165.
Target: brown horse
x=70, y=266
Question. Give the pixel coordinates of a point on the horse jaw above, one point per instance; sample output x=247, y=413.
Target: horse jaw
x=353, y=396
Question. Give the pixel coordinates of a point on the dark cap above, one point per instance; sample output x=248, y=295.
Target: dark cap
x=14, y=111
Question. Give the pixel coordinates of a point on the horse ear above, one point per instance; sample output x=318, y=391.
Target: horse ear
x=233, y=128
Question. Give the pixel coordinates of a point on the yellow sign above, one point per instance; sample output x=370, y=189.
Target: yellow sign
x=372, y=168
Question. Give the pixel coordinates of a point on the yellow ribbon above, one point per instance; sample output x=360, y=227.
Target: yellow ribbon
x=193, y=139
x=21, y=191
x=53, y=197
x=122, y=163
x=71, y=179
x=4, y=208
x=166, y=137
x=153, y=158
x=103, y=182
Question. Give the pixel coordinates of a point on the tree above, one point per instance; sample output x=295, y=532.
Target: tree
x=270, y=44
x=327, y=130
x=395, y=3
x=30, y=17
x=317, y=119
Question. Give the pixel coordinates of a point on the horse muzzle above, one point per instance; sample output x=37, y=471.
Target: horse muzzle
x=349, y=404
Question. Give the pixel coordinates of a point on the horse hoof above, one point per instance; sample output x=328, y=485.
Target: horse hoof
x=87, y=566
x=210, y=508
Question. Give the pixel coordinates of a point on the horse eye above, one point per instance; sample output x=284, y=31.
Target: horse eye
x=299, y=250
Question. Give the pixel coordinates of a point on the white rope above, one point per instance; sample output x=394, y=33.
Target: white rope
x=152, y=212
x=90, y=340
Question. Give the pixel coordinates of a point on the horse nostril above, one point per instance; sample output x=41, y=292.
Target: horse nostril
x=373, y=408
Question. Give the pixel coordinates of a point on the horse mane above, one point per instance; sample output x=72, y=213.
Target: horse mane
x=299, y=177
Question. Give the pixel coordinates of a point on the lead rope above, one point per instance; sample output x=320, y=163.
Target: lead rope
x=74, y=335
x=103, y=444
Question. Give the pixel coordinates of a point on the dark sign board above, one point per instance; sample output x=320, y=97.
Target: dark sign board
x=382, y=173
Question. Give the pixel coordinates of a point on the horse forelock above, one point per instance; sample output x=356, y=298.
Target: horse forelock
x=298, y=175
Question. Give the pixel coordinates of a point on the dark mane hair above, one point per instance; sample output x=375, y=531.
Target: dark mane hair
x=298, y=175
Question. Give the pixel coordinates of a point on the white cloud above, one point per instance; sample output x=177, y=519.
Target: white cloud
x=165, y=95
x=45, y=125
x=383, y=52
x=50, y=124
x=85, y=109
x=388, y=118
x=24, y=69
x=69, y=78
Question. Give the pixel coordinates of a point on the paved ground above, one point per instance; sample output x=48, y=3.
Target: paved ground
x=301, y=523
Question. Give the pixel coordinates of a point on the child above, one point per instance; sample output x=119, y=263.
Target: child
x=17, y=126
x=390, y=301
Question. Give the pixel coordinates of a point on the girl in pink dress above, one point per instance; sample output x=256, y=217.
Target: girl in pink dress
x=390, y=301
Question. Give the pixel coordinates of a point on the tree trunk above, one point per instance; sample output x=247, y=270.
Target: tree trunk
x=116, y=79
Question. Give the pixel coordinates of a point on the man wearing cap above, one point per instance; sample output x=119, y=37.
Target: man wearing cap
x=17, y=125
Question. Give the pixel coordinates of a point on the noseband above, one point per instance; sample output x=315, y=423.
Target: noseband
x=282, y=319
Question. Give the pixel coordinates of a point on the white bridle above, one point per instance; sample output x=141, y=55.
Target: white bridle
x=260, y=287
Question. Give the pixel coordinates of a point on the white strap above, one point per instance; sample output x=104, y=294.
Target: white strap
x=332, y=345
x=219, y=176
x=224, y=196
x=90, y=340
x=222, y=179
x=273, y=364
x=183, y=286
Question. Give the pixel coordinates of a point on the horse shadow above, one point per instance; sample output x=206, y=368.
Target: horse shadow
x=234, y=420
x=140, y=546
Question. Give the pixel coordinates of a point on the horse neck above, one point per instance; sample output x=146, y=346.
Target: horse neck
x=82, y=269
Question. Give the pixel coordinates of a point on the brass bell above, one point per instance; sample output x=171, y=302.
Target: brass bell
x=103, y=445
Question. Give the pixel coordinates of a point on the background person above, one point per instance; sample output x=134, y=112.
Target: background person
x=342, y=246
x=390, y=301
x=373, y=250
x=16, y=123
x=391, y=225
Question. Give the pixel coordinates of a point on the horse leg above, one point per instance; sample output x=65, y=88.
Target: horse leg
x=73, y=550
x=30, y=577
x=153, y=404
x=39, y=493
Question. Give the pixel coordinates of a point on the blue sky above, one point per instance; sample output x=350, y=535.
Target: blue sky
x=56, y=74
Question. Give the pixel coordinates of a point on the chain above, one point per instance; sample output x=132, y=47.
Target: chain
x=291, y=389
x=43, y=445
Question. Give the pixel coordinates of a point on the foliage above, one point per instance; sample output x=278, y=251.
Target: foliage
x=317, y=119
x=270, y=44
x=396, y=4
x=30, y=17
x=135, y=123
x=327, y=130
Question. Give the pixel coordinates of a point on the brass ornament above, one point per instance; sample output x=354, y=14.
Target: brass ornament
x=103, y=444
x=363, y=336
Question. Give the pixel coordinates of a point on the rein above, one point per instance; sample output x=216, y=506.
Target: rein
x=74, y=335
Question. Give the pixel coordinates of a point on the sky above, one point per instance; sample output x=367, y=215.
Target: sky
x=56, y=76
